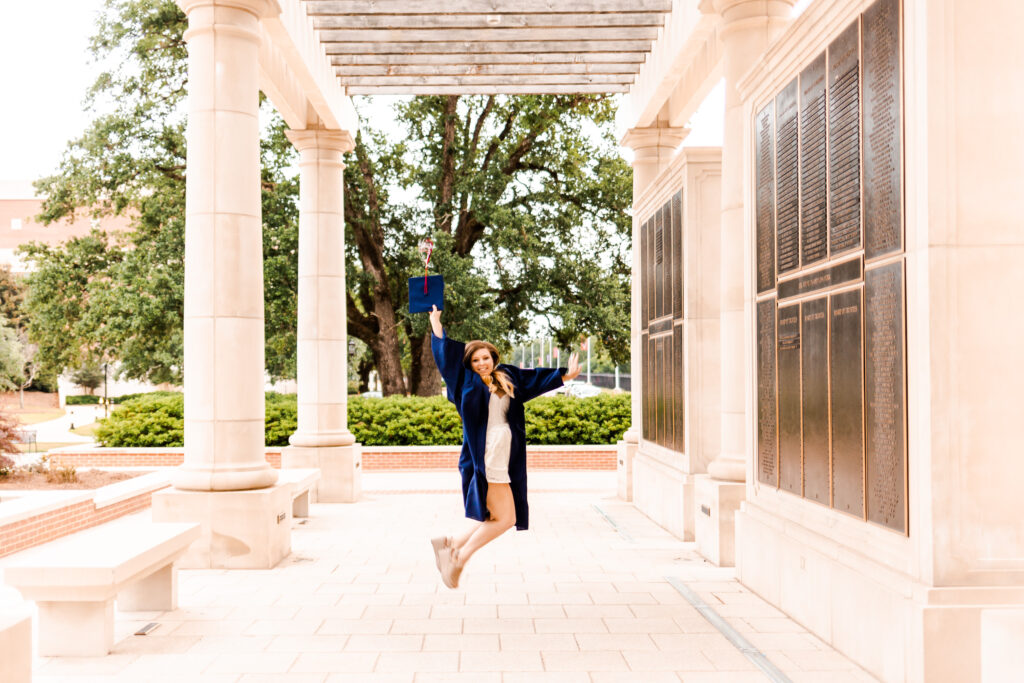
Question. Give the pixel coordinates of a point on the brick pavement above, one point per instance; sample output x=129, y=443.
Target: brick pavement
x=572, y=599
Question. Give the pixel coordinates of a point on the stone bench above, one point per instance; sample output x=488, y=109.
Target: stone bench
x=15, y=646
x=302, y=482
x=74, y=580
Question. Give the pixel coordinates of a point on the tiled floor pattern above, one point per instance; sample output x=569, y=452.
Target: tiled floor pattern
x=571, y=600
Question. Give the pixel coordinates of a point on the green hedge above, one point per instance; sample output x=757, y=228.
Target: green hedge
x=156, y=420
x=151, y=420
x=87, y=400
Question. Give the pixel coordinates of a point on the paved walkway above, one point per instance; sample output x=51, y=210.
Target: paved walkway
x=575, y=599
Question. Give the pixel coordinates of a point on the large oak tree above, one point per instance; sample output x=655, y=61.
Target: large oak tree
x=526, y=199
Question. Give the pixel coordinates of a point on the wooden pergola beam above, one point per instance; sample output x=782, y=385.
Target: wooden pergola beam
x=533, y=89
x=458, y=59
x=321, y=7
x=431, y=35
x=497, y=47
x=351, y=70
x=539, y=80
x=486, y=21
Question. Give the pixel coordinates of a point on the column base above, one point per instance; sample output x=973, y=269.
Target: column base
x=895, y=627
x=715, y=518
x=1002, y=632
x=16, y=647
x=239, y=529
x=728, y=470
x=341, y=470
x=233, y=478
x=664, y=493
x=626, y=450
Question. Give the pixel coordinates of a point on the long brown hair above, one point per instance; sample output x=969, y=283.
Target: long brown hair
x=502, y=384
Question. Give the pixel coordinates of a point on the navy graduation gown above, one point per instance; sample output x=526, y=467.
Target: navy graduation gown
x=470, y=396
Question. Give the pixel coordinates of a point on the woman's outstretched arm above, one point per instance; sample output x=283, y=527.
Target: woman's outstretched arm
x=448, y=356
x=537, y=381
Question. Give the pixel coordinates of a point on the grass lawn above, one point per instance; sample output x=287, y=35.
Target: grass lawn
x=86, y=430
x=32, y=418
x=42, y=446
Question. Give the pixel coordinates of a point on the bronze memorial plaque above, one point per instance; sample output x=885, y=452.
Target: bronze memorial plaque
x=764, y=139
x=767, y=427
x=645, y=280
x=678, y=412
x=668, y=269
x=787, y=172
x=814, y=397
x=659, y=265
x=844, y=141
x=839, y=274
x=813, y=228
x=677, y=229
x=660, y=327
x=788, y=378
x=645, y=394
x=661, y=380
x=883, y=201
x=886, y=465
x=847, y=400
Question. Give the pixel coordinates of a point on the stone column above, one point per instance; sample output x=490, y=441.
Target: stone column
x=322, y=439
x=224, y=364
x=653, y=149
x=747, y=29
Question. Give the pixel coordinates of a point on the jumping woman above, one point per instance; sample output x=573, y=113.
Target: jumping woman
x=489, y=398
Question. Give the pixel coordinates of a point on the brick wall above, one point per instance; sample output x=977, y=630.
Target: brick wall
x=52, y=524
x=374, y=458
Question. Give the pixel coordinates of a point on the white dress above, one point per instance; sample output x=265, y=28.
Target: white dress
x=499, y=440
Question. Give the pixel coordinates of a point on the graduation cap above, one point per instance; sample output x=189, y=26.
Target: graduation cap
x=424, y=292
x=427, y=291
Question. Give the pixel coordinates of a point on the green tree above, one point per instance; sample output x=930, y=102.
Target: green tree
x=89, y=377
x=12, y=293
x=527, y=201
x=127, y=300
x=12, y=358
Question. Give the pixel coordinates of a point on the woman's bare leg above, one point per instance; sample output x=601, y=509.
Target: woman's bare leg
x=503, y=517
x=459, y=540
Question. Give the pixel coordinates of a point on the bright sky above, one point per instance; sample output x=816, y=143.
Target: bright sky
x=45, y=73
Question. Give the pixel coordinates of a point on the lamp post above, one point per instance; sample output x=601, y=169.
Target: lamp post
x=588, y=360
x=106, y=401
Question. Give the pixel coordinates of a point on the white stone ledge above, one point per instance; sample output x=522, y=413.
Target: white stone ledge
x=130, y=488
x=33, y=503
x=546, y=448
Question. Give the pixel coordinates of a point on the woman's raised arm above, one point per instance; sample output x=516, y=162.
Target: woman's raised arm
x=435, y=322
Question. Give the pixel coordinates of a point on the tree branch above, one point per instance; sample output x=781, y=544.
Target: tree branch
x=446, y=184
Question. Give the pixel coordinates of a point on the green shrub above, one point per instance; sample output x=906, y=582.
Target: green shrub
x=404, y=421
x=567, y=421
x=151, y=420
x=84, y=400
x=281, y=419
x=155, y=420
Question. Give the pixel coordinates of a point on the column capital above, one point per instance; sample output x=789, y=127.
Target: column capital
x=260, y=8
x=321, y=138
x=736, y=14
x=637, y=139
